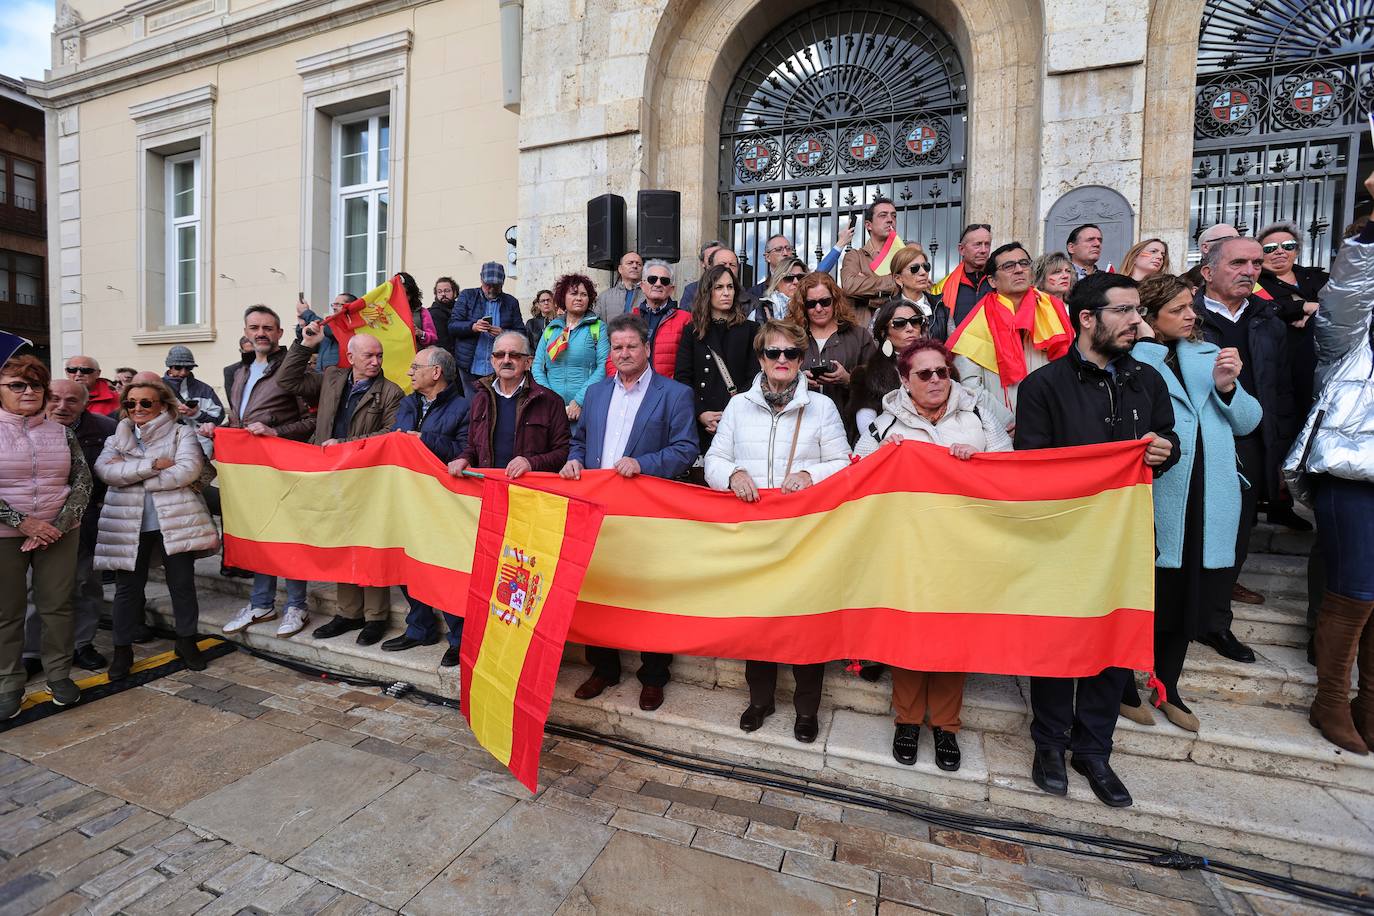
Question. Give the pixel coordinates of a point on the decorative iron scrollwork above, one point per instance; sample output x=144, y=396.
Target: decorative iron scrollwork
x=866, y=147
x=1229, y=107
x=923, y=140
x=1309, y=98
x=757, y=158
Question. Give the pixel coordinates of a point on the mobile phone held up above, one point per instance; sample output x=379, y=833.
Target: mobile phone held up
x=817, y=369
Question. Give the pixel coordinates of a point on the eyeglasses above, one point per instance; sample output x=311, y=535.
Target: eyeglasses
x=141, y=402
x=508, y=354
x=920, y=267
x=776, y=354
x=1023, y=264
x=1125, y=309
x=656, y=280
x=792, y=278
x=925, y=374
x=776, y=248
x=21, y=387
x=900, y=323
x=414, y=366
x=822, y=303
x=81, y=370
x=1271, y=247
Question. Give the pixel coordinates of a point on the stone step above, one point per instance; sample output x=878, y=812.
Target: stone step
x=1267, y=538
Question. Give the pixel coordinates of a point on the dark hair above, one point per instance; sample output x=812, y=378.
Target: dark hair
x=1158, y=291
x=796, y=306
x=413, y=295
x=701, y=306
x=920, y=344
x=1003, y=249
x=877, y=202
x=884, y=317
x=1090, y=293
x=450, y=281
x=1073, y=236
x=264, y=310
x=974, y=227
x=29, y=368
x=565, y=285
x=628, y=321
x=534, y=303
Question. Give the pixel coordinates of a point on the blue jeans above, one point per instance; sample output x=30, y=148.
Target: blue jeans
x=1345, y=534
x=421, y=623
x=265, y=591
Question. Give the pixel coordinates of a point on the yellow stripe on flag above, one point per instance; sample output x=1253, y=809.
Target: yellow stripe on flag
x=382, y=320
x=535, y=523
x=884, y=267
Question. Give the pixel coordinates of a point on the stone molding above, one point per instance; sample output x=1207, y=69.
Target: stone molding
x=63, y=178
x=375, y=58
x=192, y=107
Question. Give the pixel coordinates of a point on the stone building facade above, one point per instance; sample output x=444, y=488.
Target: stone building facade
x=962, y=110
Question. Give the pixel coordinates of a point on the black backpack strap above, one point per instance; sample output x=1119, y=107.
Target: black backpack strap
x=877, y=436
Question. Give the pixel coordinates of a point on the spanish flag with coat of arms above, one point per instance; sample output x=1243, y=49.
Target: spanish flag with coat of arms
x=385, y=314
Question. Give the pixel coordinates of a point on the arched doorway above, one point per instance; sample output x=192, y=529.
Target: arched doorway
x=1282, y=90
x=844, y=102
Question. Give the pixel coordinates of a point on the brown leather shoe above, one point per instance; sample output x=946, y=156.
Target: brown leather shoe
x=650, y=698
x=1340, y=625
x=592, y=687
x=1245, y=596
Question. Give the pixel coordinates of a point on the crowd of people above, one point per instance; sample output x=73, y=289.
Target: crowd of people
x=773, y=387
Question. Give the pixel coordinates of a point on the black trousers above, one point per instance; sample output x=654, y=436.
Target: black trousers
x=1077, y=714
x=653, y=666
x=1171, y=649
x=127, y=612
x=763, y=684
x=1250, y=454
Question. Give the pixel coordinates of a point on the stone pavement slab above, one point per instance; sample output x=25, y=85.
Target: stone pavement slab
x=395, y=845
x=290, y=803
x=84, y=721
x=525, y=863
x=636, y=874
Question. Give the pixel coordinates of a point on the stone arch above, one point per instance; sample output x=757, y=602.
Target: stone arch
x=700, y=45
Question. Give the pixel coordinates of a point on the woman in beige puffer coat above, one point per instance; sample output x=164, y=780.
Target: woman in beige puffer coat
x=152, y=513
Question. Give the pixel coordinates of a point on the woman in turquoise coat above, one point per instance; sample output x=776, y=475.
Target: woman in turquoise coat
x=1197, y=501
x=571, y=355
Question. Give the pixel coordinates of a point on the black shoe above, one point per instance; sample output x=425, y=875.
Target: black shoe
x=1049, y=773
x=450, y=659
x=372, y=632
x=805, y=729
x=404, y=642
x=32, y=666
x=947, y=755
x=89, y=658
x=143, y=634
x=1285, y=516
x=122, y=663
x=872, y=673
x=189, y=653
x=64, y=692
x=335, y=627
x=752, y=718
x=905, y=742
x=1107, y=786
x=1227, y=646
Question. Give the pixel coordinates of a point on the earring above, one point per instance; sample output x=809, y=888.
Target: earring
x=887, y=348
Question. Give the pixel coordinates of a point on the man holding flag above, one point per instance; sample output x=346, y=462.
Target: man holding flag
x=866, y=273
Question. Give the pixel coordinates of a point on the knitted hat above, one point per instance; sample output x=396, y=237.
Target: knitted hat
x=180, y=356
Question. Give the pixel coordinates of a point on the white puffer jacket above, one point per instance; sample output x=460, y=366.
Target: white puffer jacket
x=750, y=437
x=963, y=423
x=127, y=466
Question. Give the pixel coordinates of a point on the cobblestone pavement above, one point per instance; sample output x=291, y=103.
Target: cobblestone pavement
x=251, y=789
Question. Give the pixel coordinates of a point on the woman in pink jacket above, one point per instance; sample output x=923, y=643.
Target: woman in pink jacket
x=44, y=488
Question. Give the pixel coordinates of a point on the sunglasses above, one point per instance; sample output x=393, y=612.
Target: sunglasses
x=925, y=374
x=659, y=281
x=508, y=354
x=21, y=387
x=822, y=303
x=900, y=323
x=141, y=402
x=80, y=370
x=776, y=354
x=918, y=268
x=793, y=278
x=1271, y=247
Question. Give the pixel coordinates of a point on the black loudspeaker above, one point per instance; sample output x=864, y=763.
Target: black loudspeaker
x=659, y=215
x=605, y=231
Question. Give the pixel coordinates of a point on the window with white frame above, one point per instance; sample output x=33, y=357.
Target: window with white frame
x=362, y=185
x=181, y=174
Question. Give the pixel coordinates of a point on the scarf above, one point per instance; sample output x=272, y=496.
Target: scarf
x=989, y=335
x=777, y=400
x=948, y=288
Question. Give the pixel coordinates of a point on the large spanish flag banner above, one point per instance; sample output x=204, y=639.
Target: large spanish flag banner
x=1036, y=563
x=533, y=548
x=385, y=314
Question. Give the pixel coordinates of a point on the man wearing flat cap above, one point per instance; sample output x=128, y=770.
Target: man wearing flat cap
x=198, y=400
x=479, y=316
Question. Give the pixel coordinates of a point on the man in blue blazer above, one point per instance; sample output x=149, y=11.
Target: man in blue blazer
x=636, y=422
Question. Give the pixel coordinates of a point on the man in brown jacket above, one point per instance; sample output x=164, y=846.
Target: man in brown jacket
x=351, y=403
x=259, y=404
x=864, y=288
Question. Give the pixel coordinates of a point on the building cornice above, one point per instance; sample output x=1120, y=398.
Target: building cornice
x=203, y=43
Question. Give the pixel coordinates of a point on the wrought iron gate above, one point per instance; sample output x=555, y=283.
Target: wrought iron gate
x=843, y=103
x=1282, y=89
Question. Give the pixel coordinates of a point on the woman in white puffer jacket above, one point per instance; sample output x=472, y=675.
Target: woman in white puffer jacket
x=778, y=434
x=152, y=514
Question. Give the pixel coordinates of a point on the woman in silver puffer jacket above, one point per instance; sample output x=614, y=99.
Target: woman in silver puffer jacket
x=152, y=514
x=1331, y=467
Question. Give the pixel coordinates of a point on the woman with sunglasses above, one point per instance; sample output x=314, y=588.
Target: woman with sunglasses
x=1294, y=289
x=930, y=407
x=777, y=296
x=573, y=350
x=778, y=435
x=153, y=514
x=45, y=486
x=897, y=324
x=837, y=344
x=715, y=357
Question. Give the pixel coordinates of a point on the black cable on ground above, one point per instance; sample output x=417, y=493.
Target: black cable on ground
x=1010, y=830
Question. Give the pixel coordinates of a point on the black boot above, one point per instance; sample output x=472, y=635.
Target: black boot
x=121, y=663
x=189, y=653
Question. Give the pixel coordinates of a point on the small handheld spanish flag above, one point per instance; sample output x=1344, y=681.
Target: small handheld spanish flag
x=385, y=314
x=881, y=265
x=558, y=343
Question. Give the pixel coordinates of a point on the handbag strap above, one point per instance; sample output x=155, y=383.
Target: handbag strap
x=724, y=372
x=796, y=434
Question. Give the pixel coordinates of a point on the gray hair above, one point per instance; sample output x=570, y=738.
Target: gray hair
x=1281, y=226
x=448, y=366
x=1213, y=256
x=705, y=246
x=518, y=335
x=628, y=322
x=659, y=262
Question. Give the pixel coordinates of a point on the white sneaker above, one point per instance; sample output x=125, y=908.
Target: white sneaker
x=293, y=620
x=248, y=616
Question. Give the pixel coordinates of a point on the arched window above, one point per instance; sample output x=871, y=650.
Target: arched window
x=842, y=103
